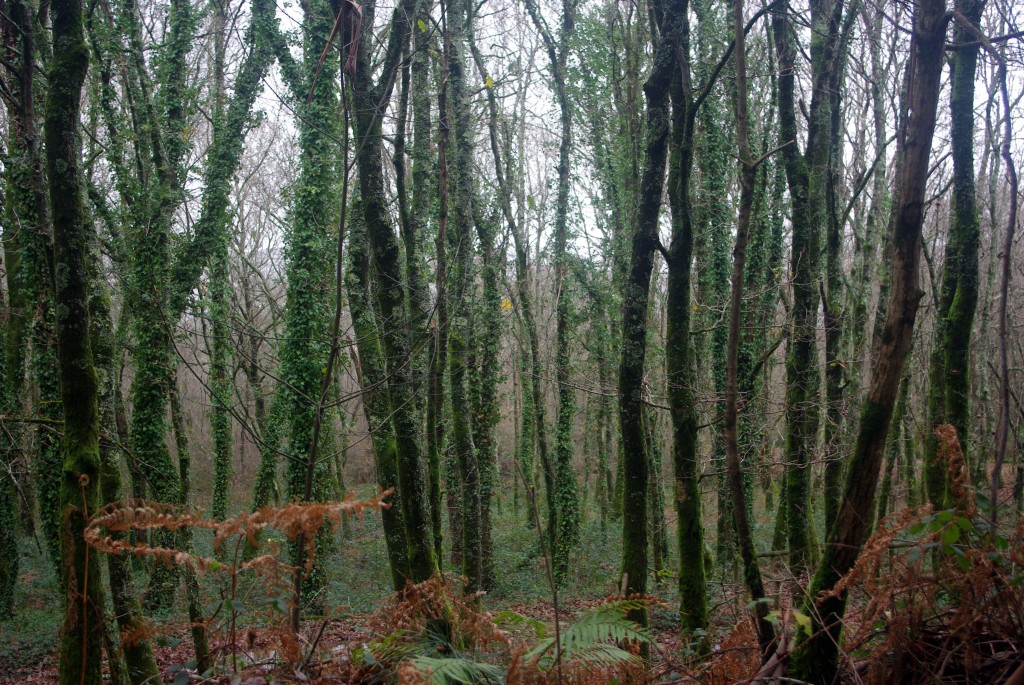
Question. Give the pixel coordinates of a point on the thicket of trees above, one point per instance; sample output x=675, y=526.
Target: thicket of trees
x=705, y=267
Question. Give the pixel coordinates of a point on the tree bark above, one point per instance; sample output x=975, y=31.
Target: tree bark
x=81, y=641
x=815, y=659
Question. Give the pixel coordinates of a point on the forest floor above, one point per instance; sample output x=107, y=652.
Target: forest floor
x=359, y=581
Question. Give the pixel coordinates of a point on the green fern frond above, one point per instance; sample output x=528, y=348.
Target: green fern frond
x=603, y=654
x=457, y=671
x=596, y=634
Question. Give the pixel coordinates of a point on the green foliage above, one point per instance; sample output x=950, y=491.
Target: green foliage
x=457, y=670
x=590, y=638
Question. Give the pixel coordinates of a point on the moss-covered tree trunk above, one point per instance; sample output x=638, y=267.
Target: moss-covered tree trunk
x=806, y=174
x=635, y=462
x=137, y=651
x=424, y=176
x=748, y=173
x=370, y=367
x=391, y=286
x=17, y=238
x=460, y=252
x=679, y=358
x=27, y=207
x=949, y=379
x=815, y=659
x=488, y=403
x=82, y=629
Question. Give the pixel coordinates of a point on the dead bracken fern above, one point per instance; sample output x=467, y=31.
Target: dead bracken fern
x=290, y=520
x=256, y=557
x=938, y=596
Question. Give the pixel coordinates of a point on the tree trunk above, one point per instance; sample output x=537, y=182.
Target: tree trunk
x=82, y=630
x=367, y=97
x=372, y=377
x=814, y=659
x=748, y=171
x=950, y=387
x=635, y=462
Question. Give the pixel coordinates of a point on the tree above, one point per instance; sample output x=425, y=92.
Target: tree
x=815, y=658
x=748, y=171
x=949, y=379
x=82, y=630
x=806, y=175
x=567, y=503
x=368, y=98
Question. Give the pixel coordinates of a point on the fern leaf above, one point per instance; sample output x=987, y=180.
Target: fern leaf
x=457, y=671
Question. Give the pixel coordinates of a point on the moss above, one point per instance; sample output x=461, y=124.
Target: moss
x=82, y=630
x=372, y=376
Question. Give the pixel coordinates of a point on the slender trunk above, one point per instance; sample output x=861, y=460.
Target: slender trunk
x=138, y=651
x=815, y=658
x=184, y=540
x=566, y=497
x=748, y=171
x=460, y=250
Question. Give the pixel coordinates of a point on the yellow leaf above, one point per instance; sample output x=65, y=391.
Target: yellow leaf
x=802, y=620
x=506, y=304
x=489, y=82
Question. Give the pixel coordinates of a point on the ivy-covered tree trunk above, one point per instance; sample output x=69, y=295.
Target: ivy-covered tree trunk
x=220, y=382
x=712, y=218
x=309, y=269
x=815, y=658
x=460, y=251
x=219, y=298
x=150, y=263
x=567, y=503
x=424, y=169
x=83, y=626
